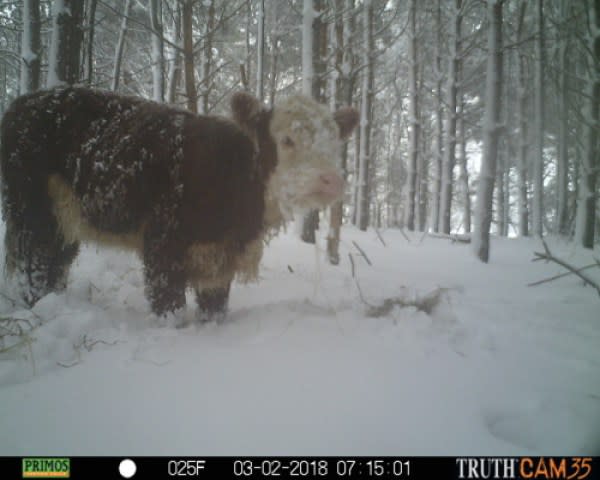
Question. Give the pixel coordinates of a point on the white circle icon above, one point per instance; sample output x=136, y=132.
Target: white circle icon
x=127, y=468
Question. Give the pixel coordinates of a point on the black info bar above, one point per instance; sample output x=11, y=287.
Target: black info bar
x=385, y=467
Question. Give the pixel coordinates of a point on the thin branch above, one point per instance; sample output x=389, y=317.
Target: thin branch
x=561, y=275
x=362, y=252
x=547, y=255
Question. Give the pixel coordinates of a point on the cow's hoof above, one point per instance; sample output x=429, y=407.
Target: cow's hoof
x=218, y=316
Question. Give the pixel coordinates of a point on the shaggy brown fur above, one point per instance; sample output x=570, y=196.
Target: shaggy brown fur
x=189, y=193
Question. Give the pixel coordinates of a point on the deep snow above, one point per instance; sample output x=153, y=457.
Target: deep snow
x=298, y=368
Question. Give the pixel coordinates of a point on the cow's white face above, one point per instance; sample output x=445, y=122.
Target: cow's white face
x=307, y=139
x=308, y=145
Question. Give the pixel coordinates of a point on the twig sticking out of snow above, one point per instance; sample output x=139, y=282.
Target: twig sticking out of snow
x=380, y=237
x=88, y=345
x=426, y=304
x=547, y=255
x=362, y=252
x=360, y=293
x=404, y=235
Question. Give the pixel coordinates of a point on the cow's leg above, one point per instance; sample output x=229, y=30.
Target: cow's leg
x=164, y=268
x=37, y=256
x=212, y=302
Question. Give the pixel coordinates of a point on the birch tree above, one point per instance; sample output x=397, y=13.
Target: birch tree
x=30, y=47
x=491, y=132
x=174, y=72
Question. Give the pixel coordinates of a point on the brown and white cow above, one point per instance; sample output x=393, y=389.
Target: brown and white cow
x=196, y=196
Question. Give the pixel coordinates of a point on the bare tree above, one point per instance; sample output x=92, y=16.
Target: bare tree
x=491, y=132
x=538, y=136
x=439, y=119
x=314, y=48
x=188, y=56
x=449, y=158
x=522, y=121
x=158, y=56
x=120, y=46
x=413, y=117
x=586, y=207
x=88, y=73
x=260, y=51
x=366, y=119
x=30, y=47
x=65, y=44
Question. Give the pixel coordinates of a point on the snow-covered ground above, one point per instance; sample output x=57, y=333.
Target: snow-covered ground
x=299, y=367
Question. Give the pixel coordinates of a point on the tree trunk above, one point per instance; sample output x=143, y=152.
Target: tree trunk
x=91, y=27
x=413, y=134
x=260, y=51
x=439, y=131
x=313, y=84
x=343, y=96
x=274, y=40
x=65, y=43
x=451, y=105
x=463, y=176
x=188, y=56
x=562, y=167
x=538, y=145
x=366, y=119
x=30, y=47
x=120, y=46
x=174, y=75
x=158, y=58
x=500, y=191
x=586, y=207
x=522, y=120
x=207, y=60
x=491, y=132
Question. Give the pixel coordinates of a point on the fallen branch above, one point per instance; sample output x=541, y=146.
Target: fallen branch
x=453, y=237
x=561, y=275
x=547, y=255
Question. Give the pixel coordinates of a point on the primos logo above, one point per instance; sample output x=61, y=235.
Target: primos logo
x=46, y=468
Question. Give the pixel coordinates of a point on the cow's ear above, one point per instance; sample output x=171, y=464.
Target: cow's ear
x=246, y=109
x=347, y=119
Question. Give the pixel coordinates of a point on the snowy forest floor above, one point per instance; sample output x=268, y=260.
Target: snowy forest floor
x=301, y=366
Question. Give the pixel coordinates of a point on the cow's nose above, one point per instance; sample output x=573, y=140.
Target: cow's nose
x=332, y=183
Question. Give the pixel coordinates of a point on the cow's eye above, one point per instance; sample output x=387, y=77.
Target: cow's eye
x=288, y=142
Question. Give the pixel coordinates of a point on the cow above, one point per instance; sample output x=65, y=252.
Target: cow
x=196, y=196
